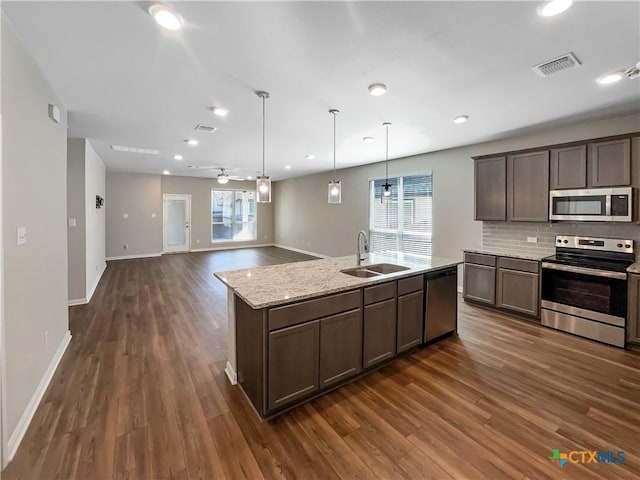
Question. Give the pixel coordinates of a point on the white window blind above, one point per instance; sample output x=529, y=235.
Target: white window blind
x=233, y=215
x=402, y=221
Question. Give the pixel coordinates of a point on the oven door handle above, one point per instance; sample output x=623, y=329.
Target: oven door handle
x=586, y=271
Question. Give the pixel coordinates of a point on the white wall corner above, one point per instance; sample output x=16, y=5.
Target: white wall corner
x=95, y=284
x=23, y=424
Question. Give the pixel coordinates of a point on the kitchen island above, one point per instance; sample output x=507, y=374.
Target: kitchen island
x=298, y=330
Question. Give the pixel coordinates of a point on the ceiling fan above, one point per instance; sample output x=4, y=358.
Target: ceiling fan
x=223, y=177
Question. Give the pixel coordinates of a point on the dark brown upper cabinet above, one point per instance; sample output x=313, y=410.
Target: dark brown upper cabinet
x=610, y=163
x=491, y=188
x=528, y=187
x=568, y=167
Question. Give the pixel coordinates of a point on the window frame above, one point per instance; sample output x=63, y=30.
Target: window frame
x=233, y=216
x=399, y=232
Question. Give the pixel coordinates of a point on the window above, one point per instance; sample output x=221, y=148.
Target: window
x=402, y=221
x=233, y=215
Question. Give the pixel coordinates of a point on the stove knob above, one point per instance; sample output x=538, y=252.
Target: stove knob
x=627, y=246
x=619, y=245
x=566, y=241
x=559, y=241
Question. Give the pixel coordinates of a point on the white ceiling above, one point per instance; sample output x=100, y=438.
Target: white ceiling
x=127, y=81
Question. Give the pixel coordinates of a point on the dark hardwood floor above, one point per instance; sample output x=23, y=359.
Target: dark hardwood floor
x=141, y=393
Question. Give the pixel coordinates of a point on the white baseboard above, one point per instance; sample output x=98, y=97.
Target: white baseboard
x=128, y=257
x=231, y=374
x=78, y=301
x=231, y=247
x=299, y=250
x=30, y=410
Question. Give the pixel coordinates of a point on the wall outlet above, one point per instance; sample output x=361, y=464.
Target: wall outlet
x=125, y=246
x=532, y=239
x=21, y=235
x=197, y=240
x=125, y=215
x=153, y=215
x=266, y=237
x=72, y=222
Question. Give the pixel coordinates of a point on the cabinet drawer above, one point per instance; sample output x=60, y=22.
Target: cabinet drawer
x=480, y=259
x=288, y=315
x=530, y=266
x=378, y=293
x=410, y=285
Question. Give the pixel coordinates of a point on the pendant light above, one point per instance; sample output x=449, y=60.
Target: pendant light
x=335, y=187
x=386, y=192
x=263, y=182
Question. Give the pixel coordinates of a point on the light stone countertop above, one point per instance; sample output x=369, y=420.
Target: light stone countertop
x=290, y=282
x=537, y=256
x=634, y=268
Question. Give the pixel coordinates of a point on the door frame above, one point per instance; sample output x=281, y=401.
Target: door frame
x=165, y=197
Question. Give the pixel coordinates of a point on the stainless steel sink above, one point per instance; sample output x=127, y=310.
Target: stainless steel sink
x=384, y=268
x=367, y=271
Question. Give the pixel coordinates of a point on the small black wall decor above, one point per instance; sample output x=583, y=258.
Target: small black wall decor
x=99, y=201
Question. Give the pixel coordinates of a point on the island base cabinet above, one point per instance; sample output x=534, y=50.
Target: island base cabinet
x=293, y=363
x=409, y=320
x=379, y=342
x=340, y=347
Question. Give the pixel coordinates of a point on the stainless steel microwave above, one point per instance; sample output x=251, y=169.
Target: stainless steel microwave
x=592, y=205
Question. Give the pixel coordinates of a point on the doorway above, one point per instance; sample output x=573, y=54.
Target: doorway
x=176, y=221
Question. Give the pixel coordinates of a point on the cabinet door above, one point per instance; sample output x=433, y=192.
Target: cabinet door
x=480, y=283
x=340, y=347
x=518, y=291
x=409, y=321
x=293, y=363
x=633, y=326
x=379, y=341
x=490, y=179
x=611, y=163
x=568, y=167
x=528, y=187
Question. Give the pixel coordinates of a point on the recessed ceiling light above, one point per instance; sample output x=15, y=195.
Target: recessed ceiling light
x=367, y=139
x=219, y=111
x=554, y=7
x=166, y=172
x=461, y=119
x=166, y=17
x=192, y=141
x=288, y=167
x=121, y=148
x=610, y=78
x=310, y=157
x=178, y=157
x=377, y=89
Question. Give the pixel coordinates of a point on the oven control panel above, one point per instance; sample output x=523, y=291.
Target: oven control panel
x=590, y=243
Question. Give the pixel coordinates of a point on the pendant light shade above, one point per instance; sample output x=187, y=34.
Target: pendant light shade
x=386, y=188
x=335, y=187
x=263, y=182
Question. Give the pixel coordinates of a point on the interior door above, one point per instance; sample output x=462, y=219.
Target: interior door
x=176, y=223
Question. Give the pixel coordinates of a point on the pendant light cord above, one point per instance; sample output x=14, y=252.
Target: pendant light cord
x=387, y=153
x=263, y=130
x=334, y=146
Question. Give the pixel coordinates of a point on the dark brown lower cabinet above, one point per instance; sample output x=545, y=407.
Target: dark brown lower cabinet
x=480, y=283
x=340, y=347
x=410, y=320
x=518, y=291
x=379, y=335
x=633, y=322
x=293, y=363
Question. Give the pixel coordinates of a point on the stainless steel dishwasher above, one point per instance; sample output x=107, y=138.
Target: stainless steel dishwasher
x=441, y=309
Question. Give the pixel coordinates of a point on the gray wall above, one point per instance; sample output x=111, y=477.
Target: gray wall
x=34, y=190
x=304, y=219
x=200, y=191
x=76, y=236
x=94, y=184
x=139, y=196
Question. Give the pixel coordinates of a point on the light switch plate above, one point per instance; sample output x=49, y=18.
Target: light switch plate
x=153, y=215
x=21, y=235
x=125, y=215
x=72, y=222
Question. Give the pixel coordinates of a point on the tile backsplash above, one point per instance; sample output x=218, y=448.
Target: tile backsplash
x=512, y=236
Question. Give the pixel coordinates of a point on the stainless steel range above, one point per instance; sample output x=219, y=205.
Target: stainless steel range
x=584, y=287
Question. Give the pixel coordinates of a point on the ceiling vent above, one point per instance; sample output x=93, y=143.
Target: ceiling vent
x=563, y=62
x=206, y=129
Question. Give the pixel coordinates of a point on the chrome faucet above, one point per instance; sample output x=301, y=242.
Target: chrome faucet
x=364, y=245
